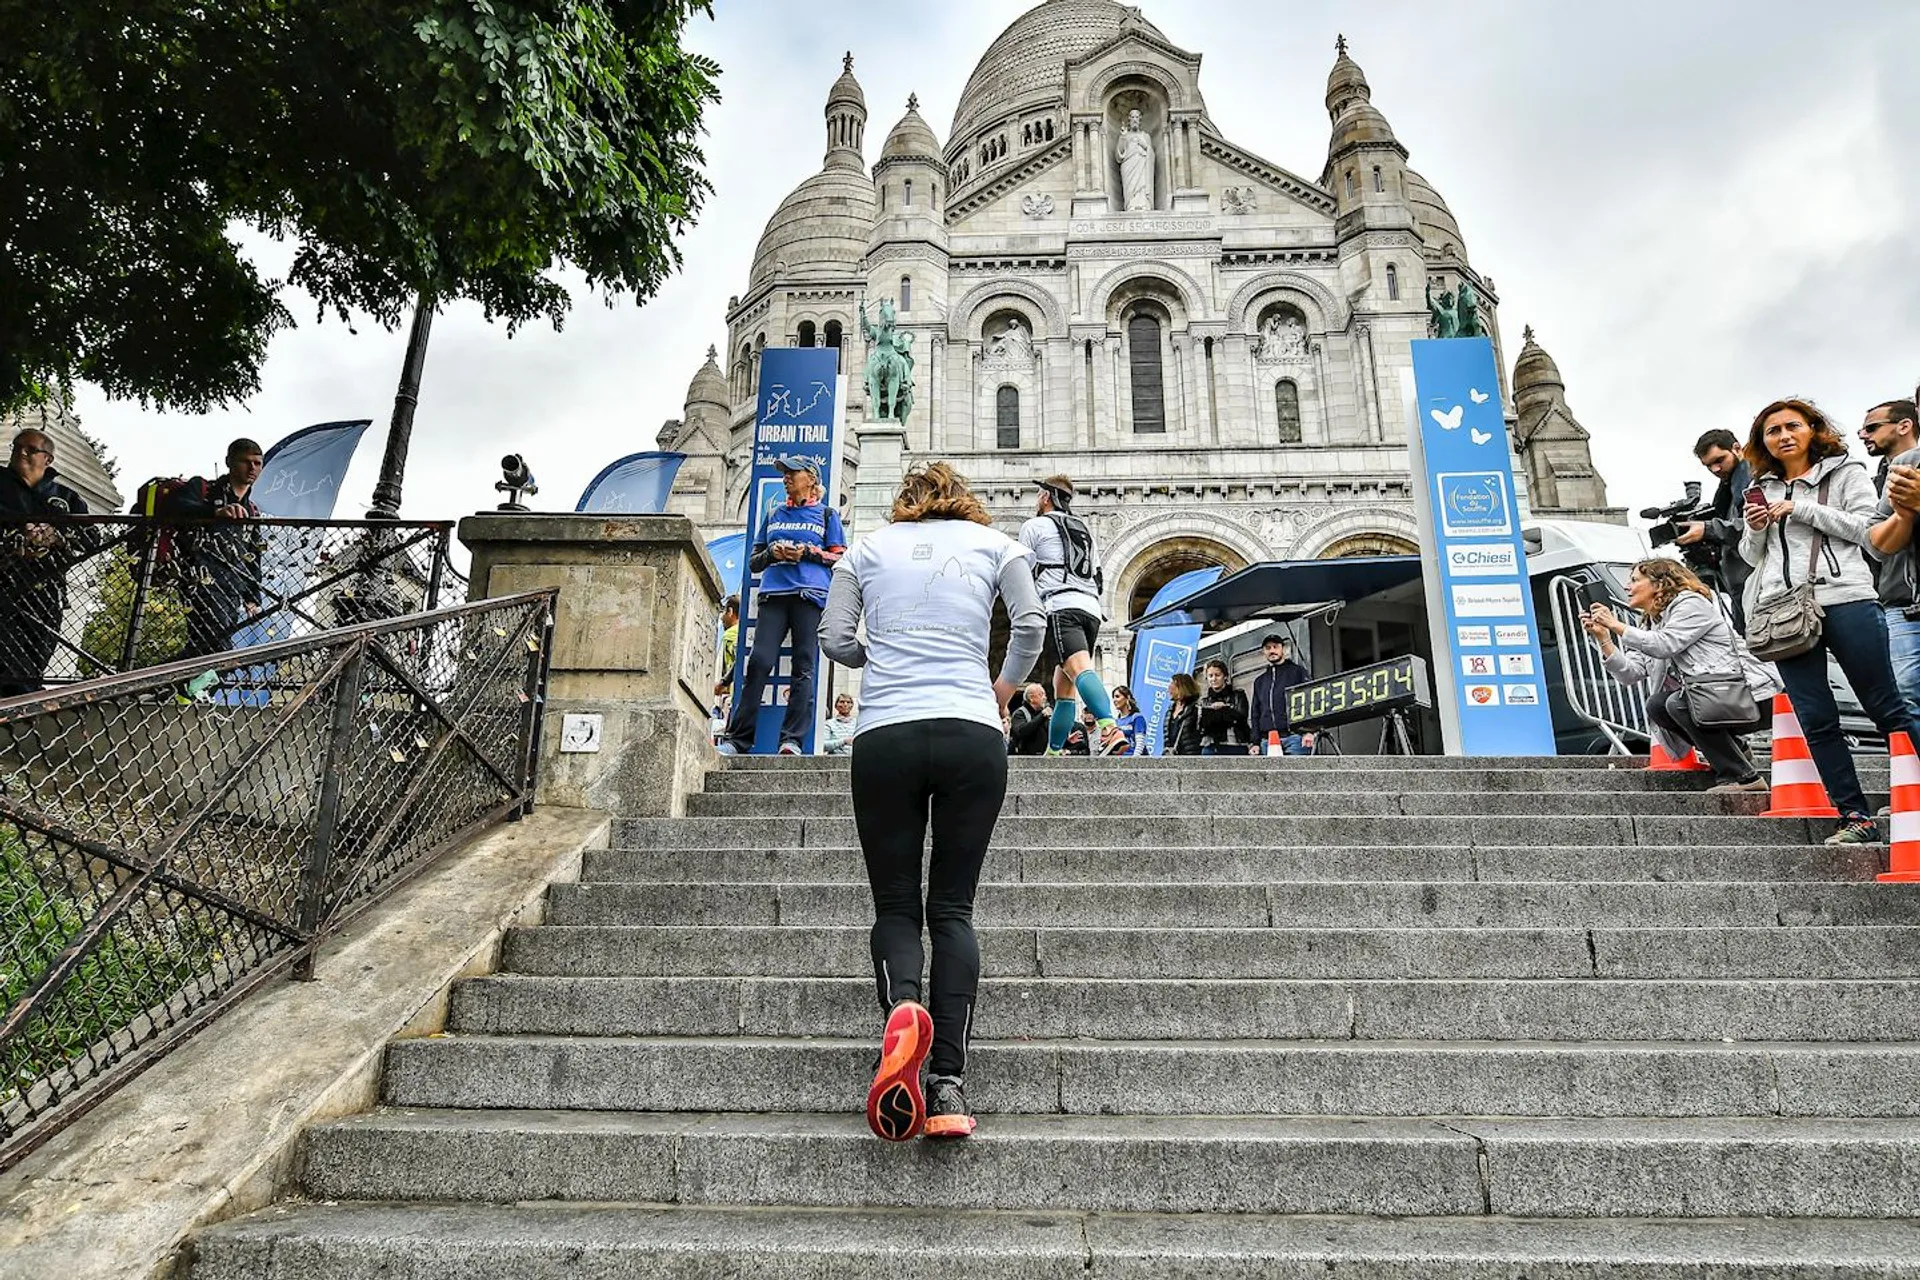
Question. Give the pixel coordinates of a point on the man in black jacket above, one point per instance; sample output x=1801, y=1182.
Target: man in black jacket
x=223, y=565
x=1268, y=714
x=34, y=558
x=1719, y=452
x=1027, y=725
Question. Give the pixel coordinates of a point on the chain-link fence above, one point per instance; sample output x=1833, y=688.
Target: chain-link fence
x=86, y=596
x=172, y=838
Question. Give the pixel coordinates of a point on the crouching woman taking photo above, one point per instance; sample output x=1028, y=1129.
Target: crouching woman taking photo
x=1703, y=688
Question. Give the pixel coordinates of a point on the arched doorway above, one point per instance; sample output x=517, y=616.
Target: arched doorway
x=1370, y=544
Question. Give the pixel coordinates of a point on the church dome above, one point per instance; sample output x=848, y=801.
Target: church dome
x=846, y=89
x=912, y=138
x=709, y=386
x=1535, y=374
x=1360, y=124
x=1027, y=65
x=1435, y=219
x=820, y=229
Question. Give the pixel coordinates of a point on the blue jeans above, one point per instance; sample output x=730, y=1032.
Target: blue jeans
x=1856, y=636
x=779, y=616
x=1903, y=644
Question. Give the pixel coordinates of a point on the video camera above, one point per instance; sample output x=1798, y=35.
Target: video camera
x=1701, y=556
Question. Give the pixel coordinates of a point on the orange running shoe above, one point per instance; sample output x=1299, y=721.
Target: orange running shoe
x=947, y=1112
x=896, y=1107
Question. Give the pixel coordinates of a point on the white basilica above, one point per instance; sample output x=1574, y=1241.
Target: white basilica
x=1100, y=283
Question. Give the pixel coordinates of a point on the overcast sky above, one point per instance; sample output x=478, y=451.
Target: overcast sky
x=1698, y=206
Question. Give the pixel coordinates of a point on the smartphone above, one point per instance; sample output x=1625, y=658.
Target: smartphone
x=1590, y=594
x=1756, y=497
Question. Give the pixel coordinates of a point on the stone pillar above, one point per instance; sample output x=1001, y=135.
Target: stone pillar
x=633, y=642
x=883, y=460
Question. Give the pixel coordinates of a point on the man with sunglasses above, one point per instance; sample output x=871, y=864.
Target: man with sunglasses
x=34, y=556
x=1891, y=432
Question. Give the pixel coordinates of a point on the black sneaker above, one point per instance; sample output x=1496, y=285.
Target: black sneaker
x=947, y=1114
x=1856, y=831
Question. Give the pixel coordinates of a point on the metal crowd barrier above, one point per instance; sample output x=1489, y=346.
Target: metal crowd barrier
x=171, y=839
x=86, y=596
x=1613, y=708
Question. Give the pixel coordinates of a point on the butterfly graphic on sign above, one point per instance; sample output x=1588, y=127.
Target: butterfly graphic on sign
x=1450, y=420
x=1479, y=436
x=1476, y=395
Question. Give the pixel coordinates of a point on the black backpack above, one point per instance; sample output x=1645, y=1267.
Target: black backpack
x=1080, y=564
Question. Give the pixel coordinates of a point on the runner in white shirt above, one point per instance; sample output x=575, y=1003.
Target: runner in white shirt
x=1067, y=570
x=928, y=746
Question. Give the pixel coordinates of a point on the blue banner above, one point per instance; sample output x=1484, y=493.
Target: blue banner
x=1163, y=651
x=301, y=476
x=798, y=418
x=636, y=485
x=1489, y=681
x=729, y=555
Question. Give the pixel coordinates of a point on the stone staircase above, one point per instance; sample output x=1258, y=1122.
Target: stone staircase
x=1428, y=1017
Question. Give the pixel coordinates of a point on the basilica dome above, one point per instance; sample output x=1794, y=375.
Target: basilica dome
x=820, y=229
x=1535, y=374
x=1437, y=225
x=1027, y=65
x=912, y=138
x=709, y=386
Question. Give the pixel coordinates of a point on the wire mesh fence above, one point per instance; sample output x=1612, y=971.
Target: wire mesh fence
x=85, y=596
x=172, y=838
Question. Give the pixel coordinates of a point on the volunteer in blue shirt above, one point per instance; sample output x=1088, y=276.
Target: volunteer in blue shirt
x=800, y=541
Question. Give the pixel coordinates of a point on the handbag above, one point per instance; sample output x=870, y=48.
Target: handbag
x=1718, y=702
x=1789, y=623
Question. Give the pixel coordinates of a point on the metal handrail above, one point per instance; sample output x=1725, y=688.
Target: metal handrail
x=1592, y=692
x=163, y=854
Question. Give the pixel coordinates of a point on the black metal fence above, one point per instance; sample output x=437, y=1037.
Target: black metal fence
x=169, y=843
x=86, y=596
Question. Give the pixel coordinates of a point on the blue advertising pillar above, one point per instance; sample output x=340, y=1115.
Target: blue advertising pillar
x=1489, y=683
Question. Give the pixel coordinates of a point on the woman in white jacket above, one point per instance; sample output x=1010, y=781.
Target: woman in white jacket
x=1686, y=635
x=1819, y=506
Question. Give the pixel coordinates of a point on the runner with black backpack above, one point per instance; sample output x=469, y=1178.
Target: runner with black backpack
x=1067, y=571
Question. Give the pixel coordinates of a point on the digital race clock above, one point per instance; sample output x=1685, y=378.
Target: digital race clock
x=1365, y=693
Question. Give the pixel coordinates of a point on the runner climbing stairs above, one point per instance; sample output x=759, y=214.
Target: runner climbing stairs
x=1243, y=1018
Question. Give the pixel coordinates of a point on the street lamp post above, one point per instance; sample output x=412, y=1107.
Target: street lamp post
x=393, y=466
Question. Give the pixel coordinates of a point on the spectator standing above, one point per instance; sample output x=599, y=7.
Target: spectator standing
x=1268, y=712
x=34, y=559
x=1079, y=742
x=222, y=562
x=840, y=726
x=1892, y=426
x=930, y=751
x=1686, y=636
x=1223, y=712
x=1719, y=451
x=1028, y=723
x=1128, y=716
x=1815, y=523
x=729, y=644
x=800, y=542
x=1182, y=737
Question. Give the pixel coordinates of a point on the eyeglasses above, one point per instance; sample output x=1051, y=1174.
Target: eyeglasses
x=29, y=451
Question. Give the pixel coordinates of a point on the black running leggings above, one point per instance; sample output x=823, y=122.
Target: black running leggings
x=954, y=772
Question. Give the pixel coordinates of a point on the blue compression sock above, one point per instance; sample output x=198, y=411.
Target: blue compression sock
x=1094, y=694
x=1065, y=715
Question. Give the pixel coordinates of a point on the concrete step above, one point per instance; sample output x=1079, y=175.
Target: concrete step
x=1176, y=764
x=1288, y=802
x=1835, y=1168
x=1126, y=777
x=1856, y=951
x=1330, y=903
x=1214, y=1009
x=789, y=823
x=1258, y=865
x=623, y=1242
x=1078, y=1077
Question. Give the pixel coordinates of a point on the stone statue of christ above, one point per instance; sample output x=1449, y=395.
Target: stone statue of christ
x=1135, y=154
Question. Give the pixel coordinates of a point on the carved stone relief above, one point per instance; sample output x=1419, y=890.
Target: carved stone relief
x=1037, y=206
x=1239, y=200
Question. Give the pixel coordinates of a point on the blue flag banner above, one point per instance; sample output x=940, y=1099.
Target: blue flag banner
x=729, y=555
x=302, y=474
x=636, y=485
x=798, y=418
x=1163, y=651
x=1489, y=682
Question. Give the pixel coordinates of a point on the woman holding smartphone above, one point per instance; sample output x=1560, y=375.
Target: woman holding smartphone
x=1811, y=516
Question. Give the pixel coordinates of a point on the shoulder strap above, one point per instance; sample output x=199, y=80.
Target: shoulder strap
x=1819, y=538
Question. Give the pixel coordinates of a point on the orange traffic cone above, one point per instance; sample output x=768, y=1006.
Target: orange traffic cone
x=1903, y=863
x=1797, y=789
x=1273, y=742
x=1659, y=761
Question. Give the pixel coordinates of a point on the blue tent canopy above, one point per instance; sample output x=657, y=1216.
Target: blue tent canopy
x=1289, y=589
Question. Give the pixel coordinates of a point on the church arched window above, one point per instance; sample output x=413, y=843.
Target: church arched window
x=1353, y=185
x=1049, y=131
x=1006, y=417
x=906, y=293
x=1393, y=283
x=1379, y=181
x=1143, y=360
x=1026, y=135
x=834, y=341
x=907, y=199
x=1286, y=403
x=806, y=333
x=933, y=195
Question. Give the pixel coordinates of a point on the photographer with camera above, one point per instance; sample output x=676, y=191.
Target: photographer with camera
x=1889, y=433
x=1711, y=545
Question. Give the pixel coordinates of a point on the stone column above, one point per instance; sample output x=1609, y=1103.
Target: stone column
x=883, y=460
x=1106, y=418
x=633, y=642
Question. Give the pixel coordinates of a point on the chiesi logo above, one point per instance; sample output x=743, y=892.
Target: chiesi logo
x=1482, y=560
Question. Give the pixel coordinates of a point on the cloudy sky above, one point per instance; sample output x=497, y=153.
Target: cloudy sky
x=1698, y=206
